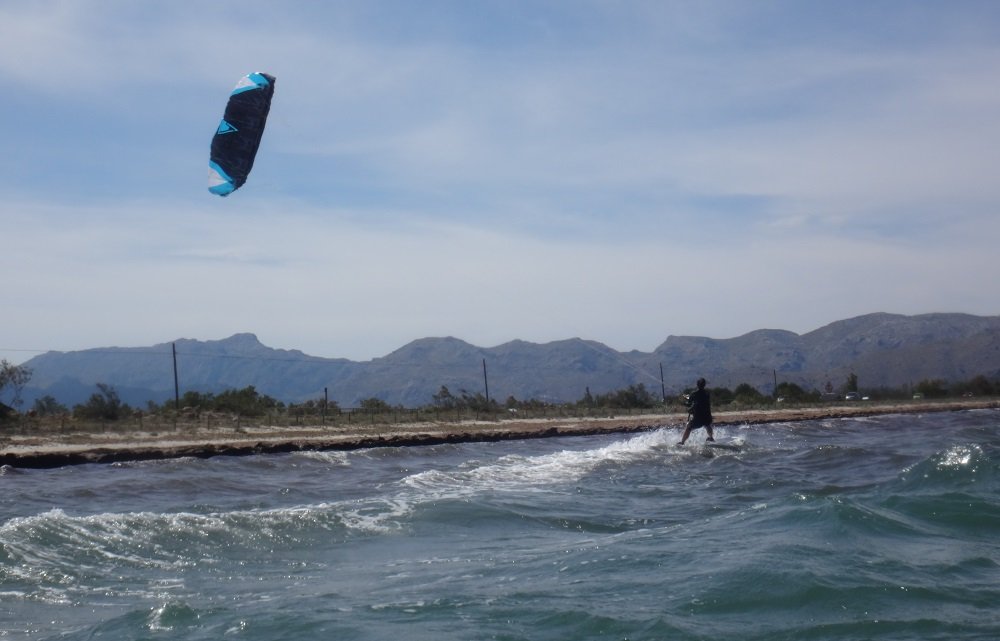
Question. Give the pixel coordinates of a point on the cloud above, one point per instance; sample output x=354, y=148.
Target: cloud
x=513, y=171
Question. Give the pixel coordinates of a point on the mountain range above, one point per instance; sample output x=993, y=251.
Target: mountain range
x=882, y=350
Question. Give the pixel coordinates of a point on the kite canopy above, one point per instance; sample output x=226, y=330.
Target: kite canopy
x=235, y=143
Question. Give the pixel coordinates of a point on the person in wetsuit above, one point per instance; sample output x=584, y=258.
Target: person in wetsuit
x=699, y=412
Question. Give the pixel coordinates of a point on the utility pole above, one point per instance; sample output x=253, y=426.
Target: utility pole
x=663, y=387
x=177, y=389
x=486, y=382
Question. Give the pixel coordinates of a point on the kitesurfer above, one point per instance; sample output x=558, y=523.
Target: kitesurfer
x=699, y=412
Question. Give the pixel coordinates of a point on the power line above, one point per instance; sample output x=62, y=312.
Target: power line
x=138, y=351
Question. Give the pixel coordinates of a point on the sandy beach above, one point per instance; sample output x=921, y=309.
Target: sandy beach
x=44, y=450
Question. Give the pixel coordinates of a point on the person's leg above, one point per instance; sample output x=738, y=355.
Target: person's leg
x=687, y=432
x=711, y=435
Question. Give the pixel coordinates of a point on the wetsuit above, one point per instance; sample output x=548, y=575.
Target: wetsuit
x=700, y=409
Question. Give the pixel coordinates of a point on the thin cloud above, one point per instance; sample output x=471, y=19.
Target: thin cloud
x=615, y=172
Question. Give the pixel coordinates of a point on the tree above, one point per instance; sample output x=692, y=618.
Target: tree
x=245, y=402
x=197, y=400
x=49, y=406
x=444, y=398
x=935, y=388
x=792, y=392
x=478, y=402
x=103, y=405
x=722, y=395
x=633, y=396
x=14, y=378
x=747, y=394
x=852, y=383
x=316, y=406
x=375, y=405
x=977, y=386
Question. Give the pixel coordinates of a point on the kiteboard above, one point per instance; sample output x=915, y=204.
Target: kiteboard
x=710, y=449
x=724, y=446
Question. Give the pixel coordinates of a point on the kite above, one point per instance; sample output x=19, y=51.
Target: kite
x=235, y=143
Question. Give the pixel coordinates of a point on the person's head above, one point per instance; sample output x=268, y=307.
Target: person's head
x=701, y=383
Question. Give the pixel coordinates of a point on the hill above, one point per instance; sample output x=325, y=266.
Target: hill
x=883, y=350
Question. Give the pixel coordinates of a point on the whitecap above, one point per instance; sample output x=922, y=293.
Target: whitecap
x=334, y=457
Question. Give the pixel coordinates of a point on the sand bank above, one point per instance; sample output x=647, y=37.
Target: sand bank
x=46, y=451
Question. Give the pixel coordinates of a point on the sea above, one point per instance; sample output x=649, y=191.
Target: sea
x=885, y=527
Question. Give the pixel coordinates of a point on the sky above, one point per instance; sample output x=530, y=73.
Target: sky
x=494, y=170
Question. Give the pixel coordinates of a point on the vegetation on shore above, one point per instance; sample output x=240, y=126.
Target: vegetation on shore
x=248, y=406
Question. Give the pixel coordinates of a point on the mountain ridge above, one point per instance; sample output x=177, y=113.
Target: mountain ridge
x=882, y=349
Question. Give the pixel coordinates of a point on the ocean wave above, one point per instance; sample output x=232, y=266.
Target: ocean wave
x=333, y=457
x=170, y=615
x=807, y=531
x=53, y=554
x=540, y=473
x=959, y=466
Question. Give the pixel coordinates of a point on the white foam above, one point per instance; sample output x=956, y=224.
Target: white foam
x=329, y=456
x=959, y=456
x=536, y=473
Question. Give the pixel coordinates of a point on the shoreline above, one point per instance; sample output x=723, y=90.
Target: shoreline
x=43, y=452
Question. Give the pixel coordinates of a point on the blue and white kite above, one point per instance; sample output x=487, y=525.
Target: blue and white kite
x=235, y=143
